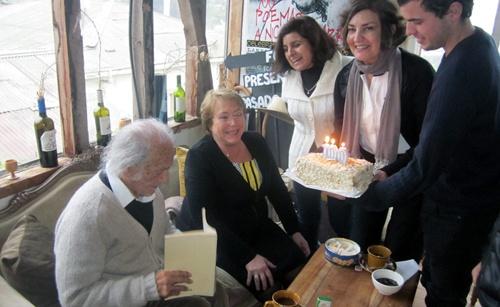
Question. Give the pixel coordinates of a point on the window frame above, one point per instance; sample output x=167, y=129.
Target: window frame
x=71, y=79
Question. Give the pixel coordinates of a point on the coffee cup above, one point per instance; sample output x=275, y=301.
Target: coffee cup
x=283, y=298
x=378, y=257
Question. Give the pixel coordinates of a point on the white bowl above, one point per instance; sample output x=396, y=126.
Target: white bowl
x=392, y=275
x=342, y=251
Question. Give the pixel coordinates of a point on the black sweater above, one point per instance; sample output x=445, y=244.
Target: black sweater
x=456, y=163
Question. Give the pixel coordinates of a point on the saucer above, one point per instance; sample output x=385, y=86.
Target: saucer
x=391, y=265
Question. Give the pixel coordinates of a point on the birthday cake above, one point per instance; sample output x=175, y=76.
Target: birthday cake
x=352, y=177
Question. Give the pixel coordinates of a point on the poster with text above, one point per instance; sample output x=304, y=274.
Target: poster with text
x=263, y=20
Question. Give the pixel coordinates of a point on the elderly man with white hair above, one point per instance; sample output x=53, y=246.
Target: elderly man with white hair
x=110, y=237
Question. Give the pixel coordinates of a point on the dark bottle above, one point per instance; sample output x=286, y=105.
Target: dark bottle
x=102, y=121
x=179, y=102
x=45, y=136
x=163, y=115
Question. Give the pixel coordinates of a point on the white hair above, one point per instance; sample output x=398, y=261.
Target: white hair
x=133, y=144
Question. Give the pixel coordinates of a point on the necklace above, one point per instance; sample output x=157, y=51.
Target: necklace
x=309, y=91
x=234, y=154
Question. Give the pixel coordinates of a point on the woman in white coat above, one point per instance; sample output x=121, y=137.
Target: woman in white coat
x=309, y=61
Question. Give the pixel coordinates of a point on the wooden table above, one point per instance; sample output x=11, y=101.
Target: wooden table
x=345, y=286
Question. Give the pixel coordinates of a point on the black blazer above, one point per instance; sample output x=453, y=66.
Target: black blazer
x=417, y=76
x=232, y=207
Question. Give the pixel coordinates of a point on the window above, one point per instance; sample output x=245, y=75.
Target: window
x=170, y=44
x=170, y=49
x=216, y=35
x=27, y=26
x=483, y=16
x=27, y=51
x=104, y=28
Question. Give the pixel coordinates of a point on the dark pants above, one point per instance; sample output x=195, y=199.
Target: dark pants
x=271, y=242
x=308, y=205
x=453, y=245
x=351, y=221
x=404, y=234
x=404, y=231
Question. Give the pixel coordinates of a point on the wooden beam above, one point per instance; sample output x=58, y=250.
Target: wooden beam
x=198, y=73
x=142, y=59
x=70, y=75
x=234, y=31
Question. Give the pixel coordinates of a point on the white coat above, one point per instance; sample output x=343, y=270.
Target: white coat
x=313, y=116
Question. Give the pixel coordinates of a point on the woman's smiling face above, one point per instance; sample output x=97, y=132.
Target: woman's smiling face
x=298, y=51
x=364, y=36
x=228, y=122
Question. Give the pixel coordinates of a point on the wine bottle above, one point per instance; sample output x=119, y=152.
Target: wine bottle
x=179, y=102
x=163, y=116
x=45, y=136
x=102, y=122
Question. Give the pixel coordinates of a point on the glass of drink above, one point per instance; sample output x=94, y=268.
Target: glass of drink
x=11, y=167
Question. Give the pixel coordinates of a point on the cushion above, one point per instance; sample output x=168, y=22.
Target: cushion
x=181, y=153
x=27, y=261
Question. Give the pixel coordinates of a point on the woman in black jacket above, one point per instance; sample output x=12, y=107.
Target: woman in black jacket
x=380, y=103
x=232, y=173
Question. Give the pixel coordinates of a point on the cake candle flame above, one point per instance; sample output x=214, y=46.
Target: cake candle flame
x=330, y=150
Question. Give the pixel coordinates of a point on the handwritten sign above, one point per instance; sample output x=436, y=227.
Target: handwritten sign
x=261, y=79
x=263, y=20
x=261, y=96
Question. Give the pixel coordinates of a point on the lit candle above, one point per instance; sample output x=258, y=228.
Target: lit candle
x=326, y=147
x=342, y=154
x=334, y=149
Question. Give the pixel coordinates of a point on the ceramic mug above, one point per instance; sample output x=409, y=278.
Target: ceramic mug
x=379, y=257
x=283, y=298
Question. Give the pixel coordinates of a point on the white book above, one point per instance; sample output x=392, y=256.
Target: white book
x=193, y=251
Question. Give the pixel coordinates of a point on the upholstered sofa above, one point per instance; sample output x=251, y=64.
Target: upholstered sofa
x=32, y=214
x=45, y=202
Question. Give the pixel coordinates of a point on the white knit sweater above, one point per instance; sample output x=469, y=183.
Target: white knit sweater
x=104, y=257
x=313, y=116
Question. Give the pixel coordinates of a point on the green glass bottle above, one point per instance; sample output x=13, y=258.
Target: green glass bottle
x=102, y=121
x=179, y=102
x=45, y=136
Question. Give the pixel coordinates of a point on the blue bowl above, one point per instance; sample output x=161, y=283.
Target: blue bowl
x=342, y=251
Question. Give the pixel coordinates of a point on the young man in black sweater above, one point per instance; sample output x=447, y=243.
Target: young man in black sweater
x=456, y=163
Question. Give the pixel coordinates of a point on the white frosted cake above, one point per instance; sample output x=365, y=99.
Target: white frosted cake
x=354, y=176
